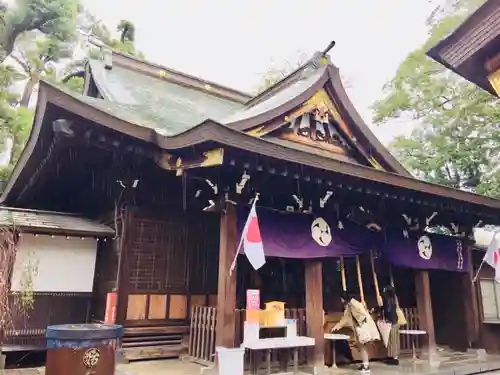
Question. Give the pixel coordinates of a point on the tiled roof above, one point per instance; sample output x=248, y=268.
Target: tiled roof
x=155, y=103
x=47, y=221
x=280, y=98
x=171, y=109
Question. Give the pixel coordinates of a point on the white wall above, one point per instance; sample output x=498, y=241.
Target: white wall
x=61, y=265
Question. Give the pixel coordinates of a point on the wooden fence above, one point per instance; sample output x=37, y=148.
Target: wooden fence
x=203, y=322
x=412, y=318
x=201, y=347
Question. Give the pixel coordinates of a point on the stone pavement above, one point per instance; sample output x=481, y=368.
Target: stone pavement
x=157, y=367
x=450, y=364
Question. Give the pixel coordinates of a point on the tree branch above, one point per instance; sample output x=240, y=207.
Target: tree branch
x=22, y=63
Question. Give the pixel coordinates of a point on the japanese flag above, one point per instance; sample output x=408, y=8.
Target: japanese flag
x=252, y=240
x=492, y=257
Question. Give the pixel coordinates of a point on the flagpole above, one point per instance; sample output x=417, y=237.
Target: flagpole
x=477, y=272
x=482, y=262
x=233, y=264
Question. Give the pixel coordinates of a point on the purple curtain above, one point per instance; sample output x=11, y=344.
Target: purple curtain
x=425, y=251
x=294, y=235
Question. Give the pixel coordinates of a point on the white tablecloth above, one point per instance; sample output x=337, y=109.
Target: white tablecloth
x=280, y=343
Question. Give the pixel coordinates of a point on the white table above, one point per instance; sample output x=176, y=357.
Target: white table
x=293, y=343
x=335, y=337
x=413, y=333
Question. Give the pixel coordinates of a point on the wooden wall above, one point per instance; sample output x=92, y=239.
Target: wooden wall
x=28, y=326
x=489, y=333
x=105, y=277
x=171, y=266
x=448, y=309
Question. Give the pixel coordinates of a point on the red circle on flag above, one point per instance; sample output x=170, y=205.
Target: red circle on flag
x=496, y=256
x=253, y=232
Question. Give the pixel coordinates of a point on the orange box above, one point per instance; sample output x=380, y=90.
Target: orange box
x=252, y=316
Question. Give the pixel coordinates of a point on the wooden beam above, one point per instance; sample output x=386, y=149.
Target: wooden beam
x=123, y=243
x=471, y=303
x=226, y=293
x=493, y=64
x=424, y=306
x=314, y=311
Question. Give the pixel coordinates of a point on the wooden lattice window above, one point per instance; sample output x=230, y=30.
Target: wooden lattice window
x=490, y=296
x=147, y=258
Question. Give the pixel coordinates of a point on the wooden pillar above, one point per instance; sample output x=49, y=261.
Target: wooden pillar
x=424, y=306
x=314, y=311
x=226, y=292
x=471, y=302
x=123, y=244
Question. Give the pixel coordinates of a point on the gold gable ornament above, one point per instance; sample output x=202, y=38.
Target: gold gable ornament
x=495, y=81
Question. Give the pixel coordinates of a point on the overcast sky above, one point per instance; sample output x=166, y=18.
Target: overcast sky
x=233, y=42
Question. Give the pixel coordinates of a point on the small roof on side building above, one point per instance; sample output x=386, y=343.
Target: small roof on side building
x=49, y=222
x=473, y=49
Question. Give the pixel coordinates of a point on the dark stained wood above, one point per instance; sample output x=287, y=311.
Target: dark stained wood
x=424, y=306
x=493, y=64
x=226, y=293
x=62, y=361
x=228, y=136
x=314, y=310
x=471, y=303
x=224, y=135
x=123, y=249
x=153, y=352
x=448, y=294
x=202, y=334
x=151, y=330
x=105, y=277
x=468, y=48
x=28, y=327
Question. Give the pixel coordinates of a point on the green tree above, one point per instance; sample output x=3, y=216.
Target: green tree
x=456, y=140
x=55, y=18
x=36, y=56
x=15, y=123
x=276, y=74
x=127, y=31
x=125, y=43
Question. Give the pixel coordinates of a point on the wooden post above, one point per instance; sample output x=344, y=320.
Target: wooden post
x=314, y=312
x=122, y=275
x=226, y=292
x=471, y=302
x=424, y=307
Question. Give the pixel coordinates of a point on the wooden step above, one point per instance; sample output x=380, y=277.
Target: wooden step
x=151, y=343
x=152, y=338
x=133, y=331
x=152, y=352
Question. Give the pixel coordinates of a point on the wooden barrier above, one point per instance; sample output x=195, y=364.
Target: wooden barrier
x=412, y=318
x=201, y=347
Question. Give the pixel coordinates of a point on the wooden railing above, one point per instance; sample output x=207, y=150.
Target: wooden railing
x=203, y=322
x=201, y=347
x=412, y=318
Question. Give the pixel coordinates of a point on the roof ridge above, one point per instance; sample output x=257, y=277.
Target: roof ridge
x=189, y=80
x=314, y=61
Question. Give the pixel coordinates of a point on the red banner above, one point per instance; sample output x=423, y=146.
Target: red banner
x=110, y=315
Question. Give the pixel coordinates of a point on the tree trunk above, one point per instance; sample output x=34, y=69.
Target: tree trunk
x=15, y=142
x=8, y=38
x=28, y=91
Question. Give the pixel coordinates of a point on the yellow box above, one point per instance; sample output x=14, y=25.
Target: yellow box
x=275, y=313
